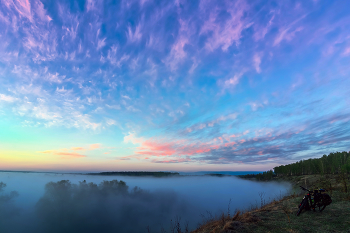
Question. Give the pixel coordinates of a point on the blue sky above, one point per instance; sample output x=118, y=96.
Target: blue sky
x=172, y=85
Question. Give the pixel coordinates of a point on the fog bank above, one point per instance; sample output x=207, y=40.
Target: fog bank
x=44, y=202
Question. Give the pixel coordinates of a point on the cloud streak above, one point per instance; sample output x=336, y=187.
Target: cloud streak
x=70, y=153
x=209, y=82
x=63, y=154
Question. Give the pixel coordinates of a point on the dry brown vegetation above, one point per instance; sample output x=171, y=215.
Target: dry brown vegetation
x=280, y=215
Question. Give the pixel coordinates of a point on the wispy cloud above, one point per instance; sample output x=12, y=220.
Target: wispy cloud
x=197, y=82
x=134, y=35
x=23, y=8
x=288, y=32
x=246, y=147
x=101, y=43
x=257, y=62
x=261, y=31
x=90, y=5
x=95, y=146
x=64, y=154
x=212, y=123
x=346, y=51
x=230, y=31
x=7, y=98
x=177, y=52
x=232, y=81
x=77, y=148
x=113, y=106
x=71, y=153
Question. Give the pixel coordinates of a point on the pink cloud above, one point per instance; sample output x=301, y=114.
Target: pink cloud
x=150, y=147
x=233, y=81
x=159, y=148
x=260, y=32
x=167, y=150
x=300, y=130
x=70, y=155
x=142, y=2
x=230, y=144
x=177, y=52
x=194, y=149
x=41, y=12
x=46, y=151
x=194, y=65
x=215, y=147
x=224, y=35
x=112, y=55
x=101, y=43
x=94, y=146
x=134, y=36
x=288, y=32
x=23, y=7
x=77, y=148
x=90, y=5
x=63, y=153
x=346, y=51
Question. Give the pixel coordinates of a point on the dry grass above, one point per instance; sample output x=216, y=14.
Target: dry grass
x=280, y=216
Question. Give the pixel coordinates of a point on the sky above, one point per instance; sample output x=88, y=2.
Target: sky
x=146, y=85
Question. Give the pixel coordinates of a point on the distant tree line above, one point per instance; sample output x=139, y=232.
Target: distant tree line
x=260, y=176
x=334, y=163
x=215, y=174
x=155, y=174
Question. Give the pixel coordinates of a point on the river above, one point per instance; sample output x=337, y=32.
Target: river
x=155, y=207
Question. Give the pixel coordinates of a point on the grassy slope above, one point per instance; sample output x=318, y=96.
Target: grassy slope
x=280, y=216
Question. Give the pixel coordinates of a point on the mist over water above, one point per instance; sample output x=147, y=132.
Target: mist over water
x=49, y=202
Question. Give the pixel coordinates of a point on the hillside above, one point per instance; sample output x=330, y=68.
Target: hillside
x=280, y=216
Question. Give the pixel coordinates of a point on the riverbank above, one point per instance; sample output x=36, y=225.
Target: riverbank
x=280, y=215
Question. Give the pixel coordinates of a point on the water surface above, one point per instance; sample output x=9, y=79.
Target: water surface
x=192, y=199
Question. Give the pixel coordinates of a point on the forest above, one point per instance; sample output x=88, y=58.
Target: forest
x=334, y=163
